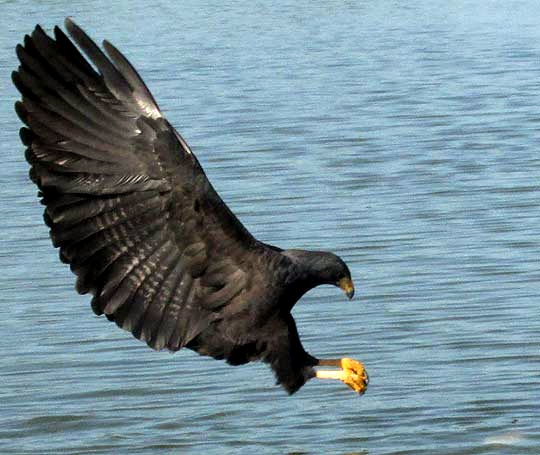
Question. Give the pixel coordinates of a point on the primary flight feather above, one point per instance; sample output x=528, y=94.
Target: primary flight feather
x=133, y=213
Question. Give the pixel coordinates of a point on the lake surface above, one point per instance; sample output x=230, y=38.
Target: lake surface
x=403, y=136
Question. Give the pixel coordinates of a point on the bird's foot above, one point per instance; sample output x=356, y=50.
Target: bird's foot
x=354, y=375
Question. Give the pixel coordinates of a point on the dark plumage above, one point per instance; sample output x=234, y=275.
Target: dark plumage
x=141, y=226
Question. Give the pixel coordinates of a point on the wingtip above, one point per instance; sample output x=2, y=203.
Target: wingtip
x=21, y=111
x=72, y=27
x=19, y=51
x=15, y=77
x=59, y=33
x=38, y=28
x=69, y=22
x=27, y=137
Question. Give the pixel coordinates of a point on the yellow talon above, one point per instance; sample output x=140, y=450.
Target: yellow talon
x=354, y=375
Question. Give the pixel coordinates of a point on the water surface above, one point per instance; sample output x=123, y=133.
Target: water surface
x=403, y=136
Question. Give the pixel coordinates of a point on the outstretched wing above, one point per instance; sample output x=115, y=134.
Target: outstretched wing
x=126, y=200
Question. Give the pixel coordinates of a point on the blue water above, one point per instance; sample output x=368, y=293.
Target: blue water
x=404, y=136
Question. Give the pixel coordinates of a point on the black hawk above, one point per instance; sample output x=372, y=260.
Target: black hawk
x=137, y=220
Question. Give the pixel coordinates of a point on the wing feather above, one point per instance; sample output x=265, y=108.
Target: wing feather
x=173, y=290
x=115, y=82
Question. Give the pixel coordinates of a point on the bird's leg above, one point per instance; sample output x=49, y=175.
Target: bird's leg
x=351, y=372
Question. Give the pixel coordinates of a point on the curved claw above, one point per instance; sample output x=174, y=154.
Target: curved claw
x=354, y=375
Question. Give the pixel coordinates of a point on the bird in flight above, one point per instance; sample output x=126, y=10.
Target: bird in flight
x=134, y=215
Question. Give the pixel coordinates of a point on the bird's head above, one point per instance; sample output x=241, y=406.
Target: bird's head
x=320, y=267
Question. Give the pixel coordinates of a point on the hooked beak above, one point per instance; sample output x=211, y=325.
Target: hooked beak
x=347, y=286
